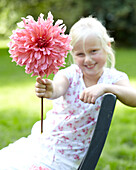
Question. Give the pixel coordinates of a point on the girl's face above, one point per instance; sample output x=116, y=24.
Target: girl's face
x=90, y=56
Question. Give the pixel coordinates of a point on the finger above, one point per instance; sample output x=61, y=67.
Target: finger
x=49, y=84
x=85, y=100
x=83, y=97
x=40, y=90
x=93, y=100
x=38, y=85
x=40, y=95
x=40, y=80
x=45, y=95
x=89, y=99
x=47, y=81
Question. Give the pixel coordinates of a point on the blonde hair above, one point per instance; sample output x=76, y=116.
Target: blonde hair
x=84, y=26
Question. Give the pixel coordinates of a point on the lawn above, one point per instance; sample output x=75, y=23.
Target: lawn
x=20, y=109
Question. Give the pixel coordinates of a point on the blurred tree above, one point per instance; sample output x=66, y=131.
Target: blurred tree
x=117, y=15
x=12, y=11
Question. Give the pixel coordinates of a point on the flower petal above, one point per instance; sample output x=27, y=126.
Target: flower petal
x=41, y=46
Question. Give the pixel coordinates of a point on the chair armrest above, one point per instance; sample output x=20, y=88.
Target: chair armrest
x=91, y=158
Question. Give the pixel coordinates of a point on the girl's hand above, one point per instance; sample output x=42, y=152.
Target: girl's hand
x=43, y=87
x=90, y=94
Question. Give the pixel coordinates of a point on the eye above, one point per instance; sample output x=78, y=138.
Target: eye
x=94, y=51
x=80, y=54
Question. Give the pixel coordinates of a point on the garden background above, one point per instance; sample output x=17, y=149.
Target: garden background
x=20, y=108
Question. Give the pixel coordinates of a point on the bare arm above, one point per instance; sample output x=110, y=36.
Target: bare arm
x=51, y=89
x=124, y=92
x=60, y=85
x=122, y=89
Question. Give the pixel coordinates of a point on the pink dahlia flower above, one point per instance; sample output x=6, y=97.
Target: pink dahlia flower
x=40, y=45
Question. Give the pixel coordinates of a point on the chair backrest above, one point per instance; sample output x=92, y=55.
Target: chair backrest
x=91, y=158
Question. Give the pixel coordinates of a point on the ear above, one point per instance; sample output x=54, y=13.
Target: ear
x=109, y=44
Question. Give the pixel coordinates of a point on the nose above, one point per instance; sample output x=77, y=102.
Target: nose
x=88, y=59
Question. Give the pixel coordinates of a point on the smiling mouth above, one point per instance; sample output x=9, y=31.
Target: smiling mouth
x=90, y=66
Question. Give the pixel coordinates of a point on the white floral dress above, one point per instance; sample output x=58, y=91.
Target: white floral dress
x=67, y=132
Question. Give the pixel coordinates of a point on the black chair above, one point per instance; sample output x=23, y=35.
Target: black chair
x=91, y=158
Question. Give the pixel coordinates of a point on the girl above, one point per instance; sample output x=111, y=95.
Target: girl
x=77, y=92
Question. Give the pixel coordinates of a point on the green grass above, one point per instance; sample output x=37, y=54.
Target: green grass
x=20, y=109
x=125, y=61
x=19, y=106
x=120, y=149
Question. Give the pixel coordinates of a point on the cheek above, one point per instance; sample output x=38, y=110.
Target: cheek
x=100, y=59
x=78, y=60
x=104, y=59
